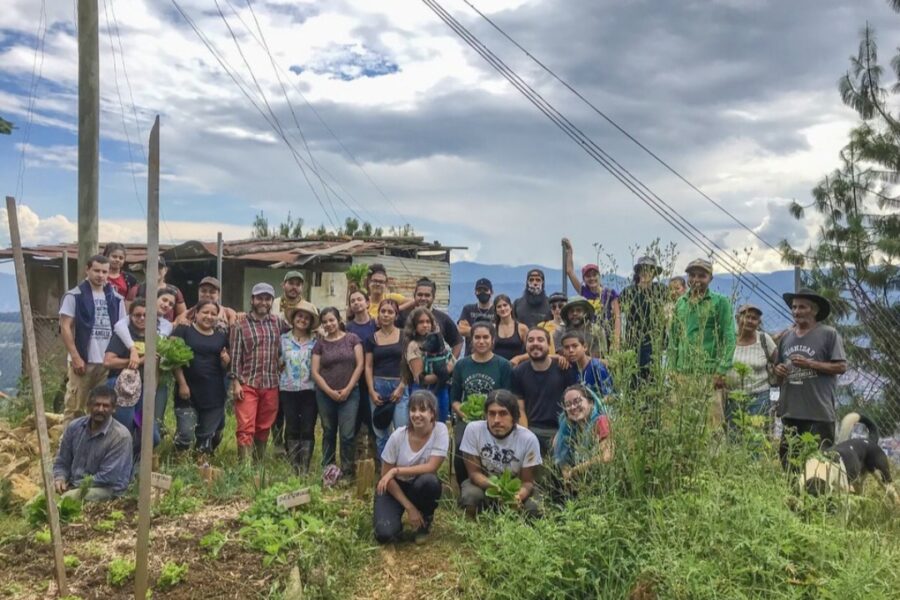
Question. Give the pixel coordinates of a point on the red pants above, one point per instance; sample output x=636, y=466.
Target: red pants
x=255, y=414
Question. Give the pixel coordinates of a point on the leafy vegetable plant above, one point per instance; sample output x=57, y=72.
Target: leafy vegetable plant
x=173, y=353
x=473, y=407
x=213, y=542
x=171, y=575
x=504, y=488
x=36, y=511
x=119, y=571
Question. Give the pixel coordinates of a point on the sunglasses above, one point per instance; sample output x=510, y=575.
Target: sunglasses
x=557, y=304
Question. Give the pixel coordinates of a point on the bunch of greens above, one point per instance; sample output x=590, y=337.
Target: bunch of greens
x=173, y=353
x=357, y=274
x=36, y=511
x=171, y=575
x=119, y=571
x=473, y=407
x=504, y=488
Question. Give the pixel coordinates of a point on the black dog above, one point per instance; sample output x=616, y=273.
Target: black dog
x=437, y=358
x=848, y=462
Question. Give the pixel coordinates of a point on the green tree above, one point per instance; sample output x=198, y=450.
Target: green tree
x=6, y=127
x=260, y=227
x=854, y=258
x=351, y=226
x=289, y=228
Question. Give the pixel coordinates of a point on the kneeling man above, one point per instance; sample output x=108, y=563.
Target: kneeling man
x=496, y=445
x=97, y=446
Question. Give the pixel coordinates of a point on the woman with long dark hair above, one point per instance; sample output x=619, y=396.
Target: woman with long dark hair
x=420, y=323
x=510, y=342
x=384, y=359
x=409, y=466
x=337, y=363
x=119, y=278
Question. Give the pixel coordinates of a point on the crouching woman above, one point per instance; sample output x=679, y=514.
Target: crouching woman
x=583, y=438
x=409, y=464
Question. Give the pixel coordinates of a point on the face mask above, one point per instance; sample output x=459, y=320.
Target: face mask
x=535, y=289
x=483, y=298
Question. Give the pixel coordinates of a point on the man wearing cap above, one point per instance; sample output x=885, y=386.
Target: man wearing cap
x=701, y=335
x=605, y=300
x=255, y=343
x=644, y=304
x=210, y=290
x=810, y=358
x=292, y=288
x=483, y=310
x=578, y=317
x=533, y=306
x=557, y=301
x=377, y=284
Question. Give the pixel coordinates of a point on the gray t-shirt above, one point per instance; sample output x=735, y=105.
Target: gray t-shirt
x=808, y=394
x=102, y=330
x=518, y=450
x=398, y=452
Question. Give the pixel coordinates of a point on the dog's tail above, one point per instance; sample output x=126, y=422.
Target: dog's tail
x=850, y=421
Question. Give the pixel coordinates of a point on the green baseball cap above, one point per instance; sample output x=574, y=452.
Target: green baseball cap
x=293, y=275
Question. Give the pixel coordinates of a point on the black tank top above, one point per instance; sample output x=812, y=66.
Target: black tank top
x=509, y=347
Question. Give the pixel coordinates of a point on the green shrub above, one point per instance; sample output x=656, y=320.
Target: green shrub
x=171, y=575
x=36, y=511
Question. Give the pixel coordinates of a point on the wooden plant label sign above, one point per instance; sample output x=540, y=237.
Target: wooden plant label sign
x=160, y=481
x=295, y=498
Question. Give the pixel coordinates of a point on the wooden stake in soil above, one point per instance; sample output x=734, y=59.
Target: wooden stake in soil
x=141, y=579
x=37, y=393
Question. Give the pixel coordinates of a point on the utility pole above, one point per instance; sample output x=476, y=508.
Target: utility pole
x=88, y=131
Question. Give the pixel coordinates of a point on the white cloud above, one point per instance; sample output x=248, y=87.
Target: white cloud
x=55, y=229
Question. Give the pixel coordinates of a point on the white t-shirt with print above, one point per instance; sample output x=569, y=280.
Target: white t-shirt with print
x=397, y=451
x=102, y=330
x=518, y=450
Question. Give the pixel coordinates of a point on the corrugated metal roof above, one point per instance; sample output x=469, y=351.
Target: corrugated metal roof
x=280, y=252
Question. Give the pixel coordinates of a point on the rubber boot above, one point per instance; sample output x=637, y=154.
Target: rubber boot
x=243, y=454
x=305, y=456
x=259, y=449
x=292, y=450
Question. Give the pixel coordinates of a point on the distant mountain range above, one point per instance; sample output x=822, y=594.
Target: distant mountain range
x=510, y=280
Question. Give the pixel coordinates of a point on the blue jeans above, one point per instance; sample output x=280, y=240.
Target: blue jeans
x=338, y=418
x=443, y=398
x=385, y=387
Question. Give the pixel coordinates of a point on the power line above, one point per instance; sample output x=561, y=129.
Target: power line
x=622, y=175
x=37, y=69
x=618, y=127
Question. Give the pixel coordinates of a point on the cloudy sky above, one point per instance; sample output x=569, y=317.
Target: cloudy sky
x=738, y=95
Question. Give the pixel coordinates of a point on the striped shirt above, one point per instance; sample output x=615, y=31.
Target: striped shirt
x=254, y=351
x=105, y=455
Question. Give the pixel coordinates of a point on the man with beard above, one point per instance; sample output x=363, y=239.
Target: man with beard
x=497, y=445
x=95, y=446
x=292, y=294
x=534, y=306
x=578, y=317
x=482, y=372
x=701, y=335
x=255, y=344
x=483, y=310
x=539, y=385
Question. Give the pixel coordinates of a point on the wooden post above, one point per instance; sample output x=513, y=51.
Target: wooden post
x=141, y=575
x=798, y=279
x=565, y=279
x=220, y=248
x=88, y=130
x=37, y=392
x=65, y=271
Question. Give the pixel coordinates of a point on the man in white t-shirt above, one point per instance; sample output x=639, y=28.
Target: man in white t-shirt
x=494, y=446
x=86, y=318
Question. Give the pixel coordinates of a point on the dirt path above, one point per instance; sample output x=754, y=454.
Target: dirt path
x=407, y=571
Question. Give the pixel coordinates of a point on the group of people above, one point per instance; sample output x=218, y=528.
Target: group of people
x=531, y=389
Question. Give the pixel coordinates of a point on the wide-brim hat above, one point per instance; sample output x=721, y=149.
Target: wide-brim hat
x=310, y=309
x=808, y=294
x=577, y=301
x=649, y=262
x=383, y=414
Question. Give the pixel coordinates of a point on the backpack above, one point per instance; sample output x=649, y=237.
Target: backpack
x=770, y=368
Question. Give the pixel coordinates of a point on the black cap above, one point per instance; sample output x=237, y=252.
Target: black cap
x=484, y=283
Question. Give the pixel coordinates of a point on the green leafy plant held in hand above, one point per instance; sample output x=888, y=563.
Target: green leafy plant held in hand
x=357, y=274
x=173, y=353
x=473, y=407
x=504, y=488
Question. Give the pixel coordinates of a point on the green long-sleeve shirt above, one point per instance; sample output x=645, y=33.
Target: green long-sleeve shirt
x=701, y=335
